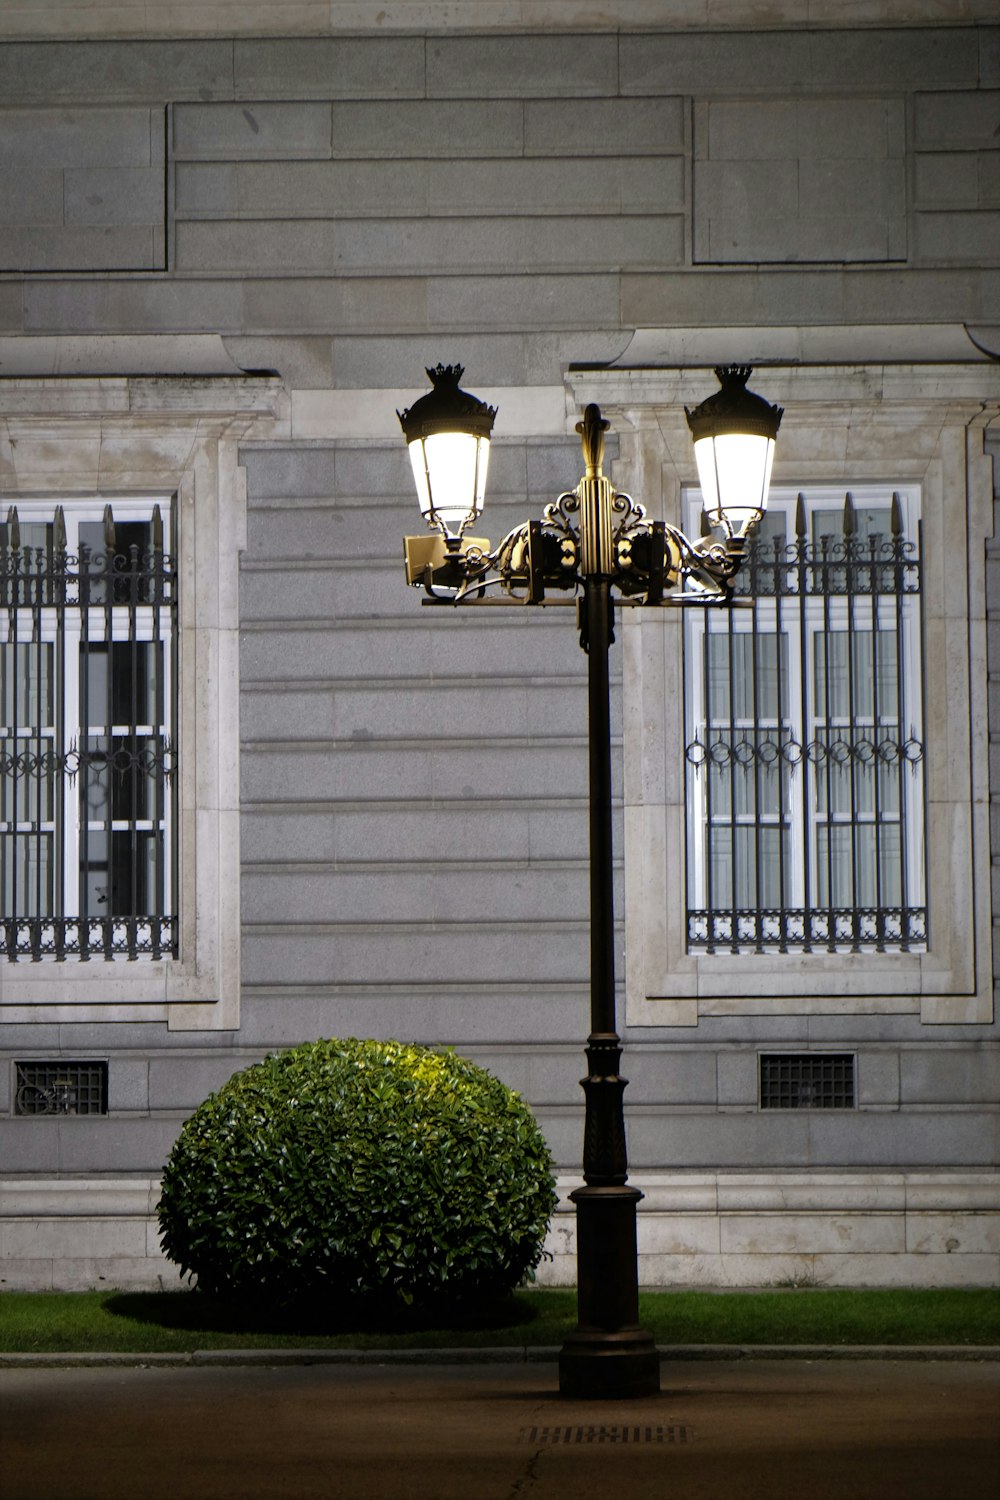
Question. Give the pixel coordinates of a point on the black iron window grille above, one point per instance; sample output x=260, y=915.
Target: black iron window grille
x=804, y=745
x=88, y=634
x=806, y=1080
x=54, y=1087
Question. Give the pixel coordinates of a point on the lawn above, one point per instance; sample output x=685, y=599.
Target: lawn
x=159, y=1322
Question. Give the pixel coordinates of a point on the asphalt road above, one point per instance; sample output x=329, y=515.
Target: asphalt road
x=837, y=1430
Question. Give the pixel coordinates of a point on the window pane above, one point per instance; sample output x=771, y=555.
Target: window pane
x=745, y=859
x=134, y=690
x=26, y=874
x=871, y=522
x=122, y=874
x=128, y=566
x=25, y=685
x=848, y=859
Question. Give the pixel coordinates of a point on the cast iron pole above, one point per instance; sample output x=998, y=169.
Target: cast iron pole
x=608, y=1355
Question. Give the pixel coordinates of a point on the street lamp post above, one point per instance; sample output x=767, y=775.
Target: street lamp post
x=596, y=546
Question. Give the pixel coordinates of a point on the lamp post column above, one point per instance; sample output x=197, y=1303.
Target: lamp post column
x=608, y=1355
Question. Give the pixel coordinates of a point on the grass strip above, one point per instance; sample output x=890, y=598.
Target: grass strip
x=161, y=1322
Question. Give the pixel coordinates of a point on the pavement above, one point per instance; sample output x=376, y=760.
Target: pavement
x=490, y=1429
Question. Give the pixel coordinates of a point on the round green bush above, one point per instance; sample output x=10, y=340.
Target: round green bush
x=359, y=1172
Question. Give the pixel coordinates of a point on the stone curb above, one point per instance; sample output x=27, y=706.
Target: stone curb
x=234, y=1358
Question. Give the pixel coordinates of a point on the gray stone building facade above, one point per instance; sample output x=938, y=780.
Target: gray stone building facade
x=227, y=253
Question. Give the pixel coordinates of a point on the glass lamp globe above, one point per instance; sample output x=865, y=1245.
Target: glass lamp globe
x=734, y=433
x=448, y=435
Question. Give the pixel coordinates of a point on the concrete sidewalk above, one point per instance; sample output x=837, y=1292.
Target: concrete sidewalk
x=844, y=1429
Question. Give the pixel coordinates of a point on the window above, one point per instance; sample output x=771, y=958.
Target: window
x=88, y=610
x=804, y=742
x=907, y=879
x=133, y=443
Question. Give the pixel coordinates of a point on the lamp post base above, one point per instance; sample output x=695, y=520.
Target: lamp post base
x=608, y=1356
x=609, y=1366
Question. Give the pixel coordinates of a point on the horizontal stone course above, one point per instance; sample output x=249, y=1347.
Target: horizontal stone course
x=329, y=68
x=411, y=647
x=957, y=236
x=521, y=66
x=802, y=129
x=426, y=129
x=381, y=833
x=455, y=189
x=255, y=130
x=800, y=237
x=449, y=896
x=80, y=248
x=419, y=958
x=944, y=121
x=311, y=305
x=106, y=71
x=365, y=711
x=762, y=62
x=92, y=137
x=311, y=774
x=68, y=306
x=401, y=247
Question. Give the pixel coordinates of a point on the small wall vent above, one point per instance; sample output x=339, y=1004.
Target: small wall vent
x=54, y=1086
x=807, y=1080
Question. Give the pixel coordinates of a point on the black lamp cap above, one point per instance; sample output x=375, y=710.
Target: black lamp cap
x=733, y=408
x=446, y=408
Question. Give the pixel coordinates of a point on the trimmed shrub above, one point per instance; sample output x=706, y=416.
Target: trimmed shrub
x=359, y=1174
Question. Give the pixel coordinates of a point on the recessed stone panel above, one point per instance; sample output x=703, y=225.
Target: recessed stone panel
x=791, y=180
x=82, y=189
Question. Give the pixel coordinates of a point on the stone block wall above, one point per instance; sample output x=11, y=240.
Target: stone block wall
x=345, y=209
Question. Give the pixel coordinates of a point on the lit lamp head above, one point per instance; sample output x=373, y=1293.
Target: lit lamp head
x=734, y=432
x=448, y=435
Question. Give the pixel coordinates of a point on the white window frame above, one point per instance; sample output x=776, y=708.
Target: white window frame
x=109, y=440
x=801, y=822
x=62, y=626
x=846, y=426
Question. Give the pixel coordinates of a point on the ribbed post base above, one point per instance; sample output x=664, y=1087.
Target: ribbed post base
x=608, y=1355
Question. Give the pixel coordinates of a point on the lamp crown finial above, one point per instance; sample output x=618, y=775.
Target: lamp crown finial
x=446, y=408
x=732, y=408
x=444, y=374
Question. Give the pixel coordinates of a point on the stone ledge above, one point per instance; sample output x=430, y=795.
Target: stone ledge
x=695, y=1229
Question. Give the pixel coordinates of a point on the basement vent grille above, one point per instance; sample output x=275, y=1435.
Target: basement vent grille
x=806, y=1080
x=58, y=1087
x=602, y=1433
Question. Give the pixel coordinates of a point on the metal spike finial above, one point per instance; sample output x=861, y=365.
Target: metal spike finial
x=592, y=430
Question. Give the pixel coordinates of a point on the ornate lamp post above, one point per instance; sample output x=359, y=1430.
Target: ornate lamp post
x=596, y=546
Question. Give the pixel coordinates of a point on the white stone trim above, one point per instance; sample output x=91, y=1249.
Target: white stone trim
x=176, y=437
x=704, y=1228
x=848, y=425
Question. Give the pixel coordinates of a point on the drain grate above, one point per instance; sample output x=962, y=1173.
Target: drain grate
x=603, y=1433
